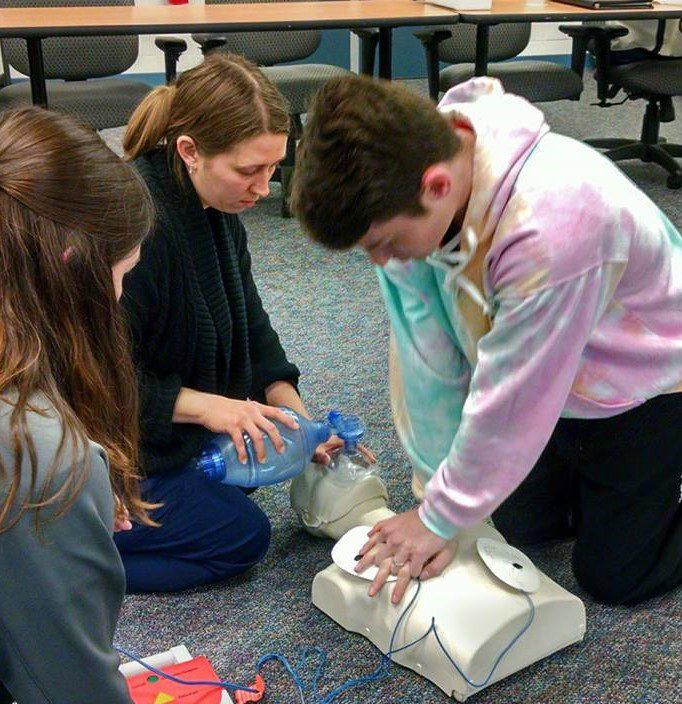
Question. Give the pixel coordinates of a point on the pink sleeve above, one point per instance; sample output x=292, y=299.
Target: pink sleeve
x=526, y=366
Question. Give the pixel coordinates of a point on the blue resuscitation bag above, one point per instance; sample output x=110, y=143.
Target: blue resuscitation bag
x=219, y=461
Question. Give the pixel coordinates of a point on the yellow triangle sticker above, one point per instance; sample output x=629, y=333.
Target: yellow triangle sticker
x=163, y=698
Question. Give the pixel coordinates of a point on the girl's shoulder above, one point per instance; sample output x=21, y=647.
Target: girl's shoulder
x=58, y=453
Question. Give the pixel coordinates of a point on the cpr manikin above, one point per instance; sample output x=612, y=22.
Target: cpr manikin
x=331, y=500
x=494, y=612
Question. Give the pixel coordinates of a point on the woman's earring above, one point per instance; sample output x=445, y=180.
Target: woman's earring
x=192, y=169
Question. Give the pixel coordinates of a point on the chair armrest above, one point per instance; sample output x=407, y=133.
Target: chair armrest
x=171, y=47
x=209, y=42
x=175, y=44
x=593, y=31
x=366, y=32
x=369, y=40
x=597, y=38
x=432, y=36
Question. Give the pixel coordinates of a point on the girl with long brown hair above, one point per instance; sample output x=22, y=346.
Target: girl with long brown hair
x=72, y=217
x=206, y=147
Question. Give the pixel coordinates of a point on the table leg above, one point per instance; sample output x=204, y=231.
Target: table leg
x=482, y=38
x=37, y=69
x=385, y=52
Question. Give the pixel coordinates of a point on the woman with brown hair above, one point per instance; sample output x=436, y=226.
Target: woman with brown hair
x=207, y=148
x=72, y=217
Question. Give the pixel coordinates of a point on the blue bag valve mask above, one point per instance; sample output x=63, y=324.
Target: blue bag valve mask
x=348, y=462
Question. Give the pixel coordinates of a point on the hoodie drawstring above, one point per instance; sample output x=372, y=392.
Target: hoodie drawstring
x=454, y=260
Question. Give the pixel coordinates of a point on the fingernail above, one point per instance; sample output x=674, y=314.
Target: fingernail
x=358, y=557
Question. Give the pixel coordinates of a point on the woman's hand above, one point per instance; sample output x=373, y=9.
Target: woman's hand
x=324, y=451
x=405, y=547
x=226, y=415
x=367, y=454
x=121, y=516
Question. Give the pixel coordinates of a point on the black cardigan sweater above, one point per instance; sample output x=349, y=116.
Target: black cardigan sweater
x=195, y=316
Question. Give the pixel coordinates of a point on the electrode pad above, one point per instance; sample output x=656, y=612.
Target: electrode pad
x=509, y=565
x=347, y=549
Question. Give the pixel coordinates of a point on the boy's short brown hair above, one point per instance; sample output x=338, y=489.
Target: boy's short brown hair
x=365, y=147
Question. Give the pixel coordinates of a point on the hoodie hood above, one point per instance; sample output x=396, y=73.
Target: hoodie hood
x=507, y=128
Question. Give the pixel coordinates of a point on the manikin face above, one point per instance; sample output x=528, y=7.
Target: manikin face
x=446, y=187
x=121, y=268
x=233, y=181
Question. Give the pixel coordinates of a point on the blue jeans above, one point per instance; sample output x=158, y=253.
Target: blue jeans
x=209, y=532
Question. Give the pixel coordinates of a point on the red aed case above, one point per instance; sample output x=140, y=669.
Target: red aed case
x=148, y=688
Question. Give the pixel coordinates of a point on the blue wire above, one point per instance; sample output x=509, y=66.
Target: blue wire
x=319, y=670
x=402, y=617
x=381, y=671
x=282, y=659
x=501, y=655
x=172, y=678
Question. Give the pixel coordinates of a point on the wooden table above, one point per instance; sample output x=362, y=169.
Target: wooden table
x=35, y=23
x=548, y=11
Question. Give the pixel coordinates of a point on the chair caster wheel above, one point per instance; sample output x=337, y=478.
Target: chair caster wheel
x=674, y=181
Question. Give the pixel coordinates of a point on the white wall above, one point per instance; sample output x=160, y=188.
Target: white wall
x=547, y=40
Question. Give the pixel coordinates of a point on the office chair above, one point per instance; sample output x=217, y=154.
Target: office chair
x=537, y=81
x=79, y=70
x=655, y=80
x=297, y=83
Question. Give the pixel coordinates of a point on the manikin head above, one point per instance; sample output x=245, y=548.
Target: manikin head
x=378, y=166
x=225, y=126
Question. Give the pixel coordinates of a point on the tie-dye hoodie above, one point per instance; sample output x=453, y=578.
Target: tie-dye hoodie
x=581, y=316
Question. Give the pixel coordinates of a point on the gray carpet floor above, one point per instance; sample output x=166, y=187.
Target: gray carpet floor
x=331, y=319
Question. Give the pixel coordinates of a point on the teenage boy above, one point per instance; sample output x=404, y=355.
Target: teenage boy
x=535, y=298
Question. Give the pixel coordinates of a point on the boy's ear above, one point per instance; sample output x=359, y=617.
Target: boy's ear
x=436, y=184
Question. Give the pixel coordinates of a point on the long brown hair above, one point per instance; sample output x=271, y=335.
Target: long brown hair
x=69, y=210
x=219, y=103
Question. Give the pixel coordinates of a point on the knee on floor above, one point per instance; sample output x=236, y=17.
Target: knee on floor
x=238, y=553
x=607, y=583
x=261, y=531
